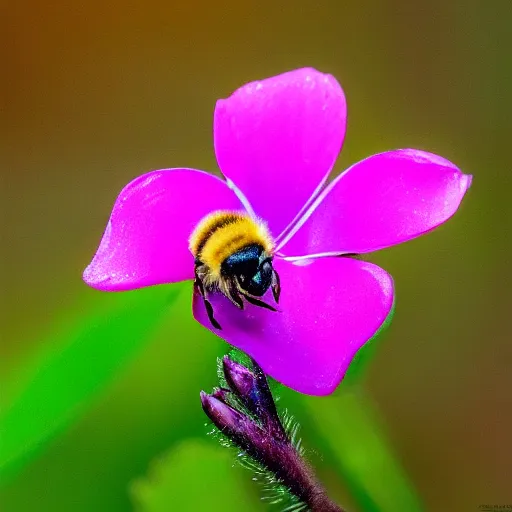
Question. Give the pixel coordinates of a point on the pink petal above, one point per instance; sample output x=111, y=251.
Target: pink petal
x=277, y=140
x=146, y=239
x=327, y=311
x=383, y=200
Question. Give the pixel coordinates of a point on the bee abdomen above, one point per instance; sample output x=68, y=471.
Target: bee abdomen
x=207, y=229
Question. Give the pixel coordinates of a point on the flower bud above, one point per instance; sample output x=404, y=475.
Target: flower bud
x=252, y=389
x=223, y=416
x=240, y=380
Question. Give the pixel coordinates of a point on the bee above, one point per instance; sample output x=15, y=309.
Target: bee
x=233, y=254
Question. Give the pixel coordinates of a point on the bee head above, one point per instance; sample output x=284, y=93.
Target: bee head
x=252, y=267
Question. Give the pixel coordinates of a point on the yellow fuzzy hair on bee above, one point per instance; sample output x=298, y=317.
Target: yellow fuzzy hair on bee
x=222, y=233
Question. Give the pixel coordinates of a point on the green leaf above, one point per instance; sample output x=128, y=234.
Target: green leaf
x=197, y=475
x=81, y=363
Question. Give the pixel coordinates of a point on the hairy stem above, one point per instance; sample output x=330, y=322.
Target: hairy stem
x=243, y=409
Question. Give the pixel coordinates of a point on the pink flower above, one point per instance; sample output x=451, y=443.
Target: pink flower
x=276, y=141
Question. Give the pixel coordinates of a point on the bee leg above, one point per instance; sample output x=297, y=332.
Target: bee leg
x=209, y=311
x=235, y=298
x=276, y=286
x=257, y=302
x=251, y=299
x=207, y=304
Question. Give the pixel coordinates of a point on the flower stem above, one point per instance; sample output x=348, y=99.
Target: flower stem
x=297, y=475
x=313, y=493
x=244, y=411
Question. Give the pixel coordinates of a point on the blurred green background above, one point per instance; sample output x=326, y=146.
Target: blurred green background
x=96, y=93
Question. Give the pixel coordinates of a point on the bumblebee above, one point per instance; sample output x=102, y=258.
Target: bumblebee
x=233, y=254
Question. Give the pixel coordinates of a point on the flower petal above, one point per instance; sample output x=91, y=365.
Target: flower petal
x=328, y=309
x=383, y=200
x=146, y=238
x=277, y=140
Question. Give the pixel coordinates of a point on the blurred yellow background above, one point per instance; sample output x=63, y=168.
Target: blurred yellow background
x=97, y=93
